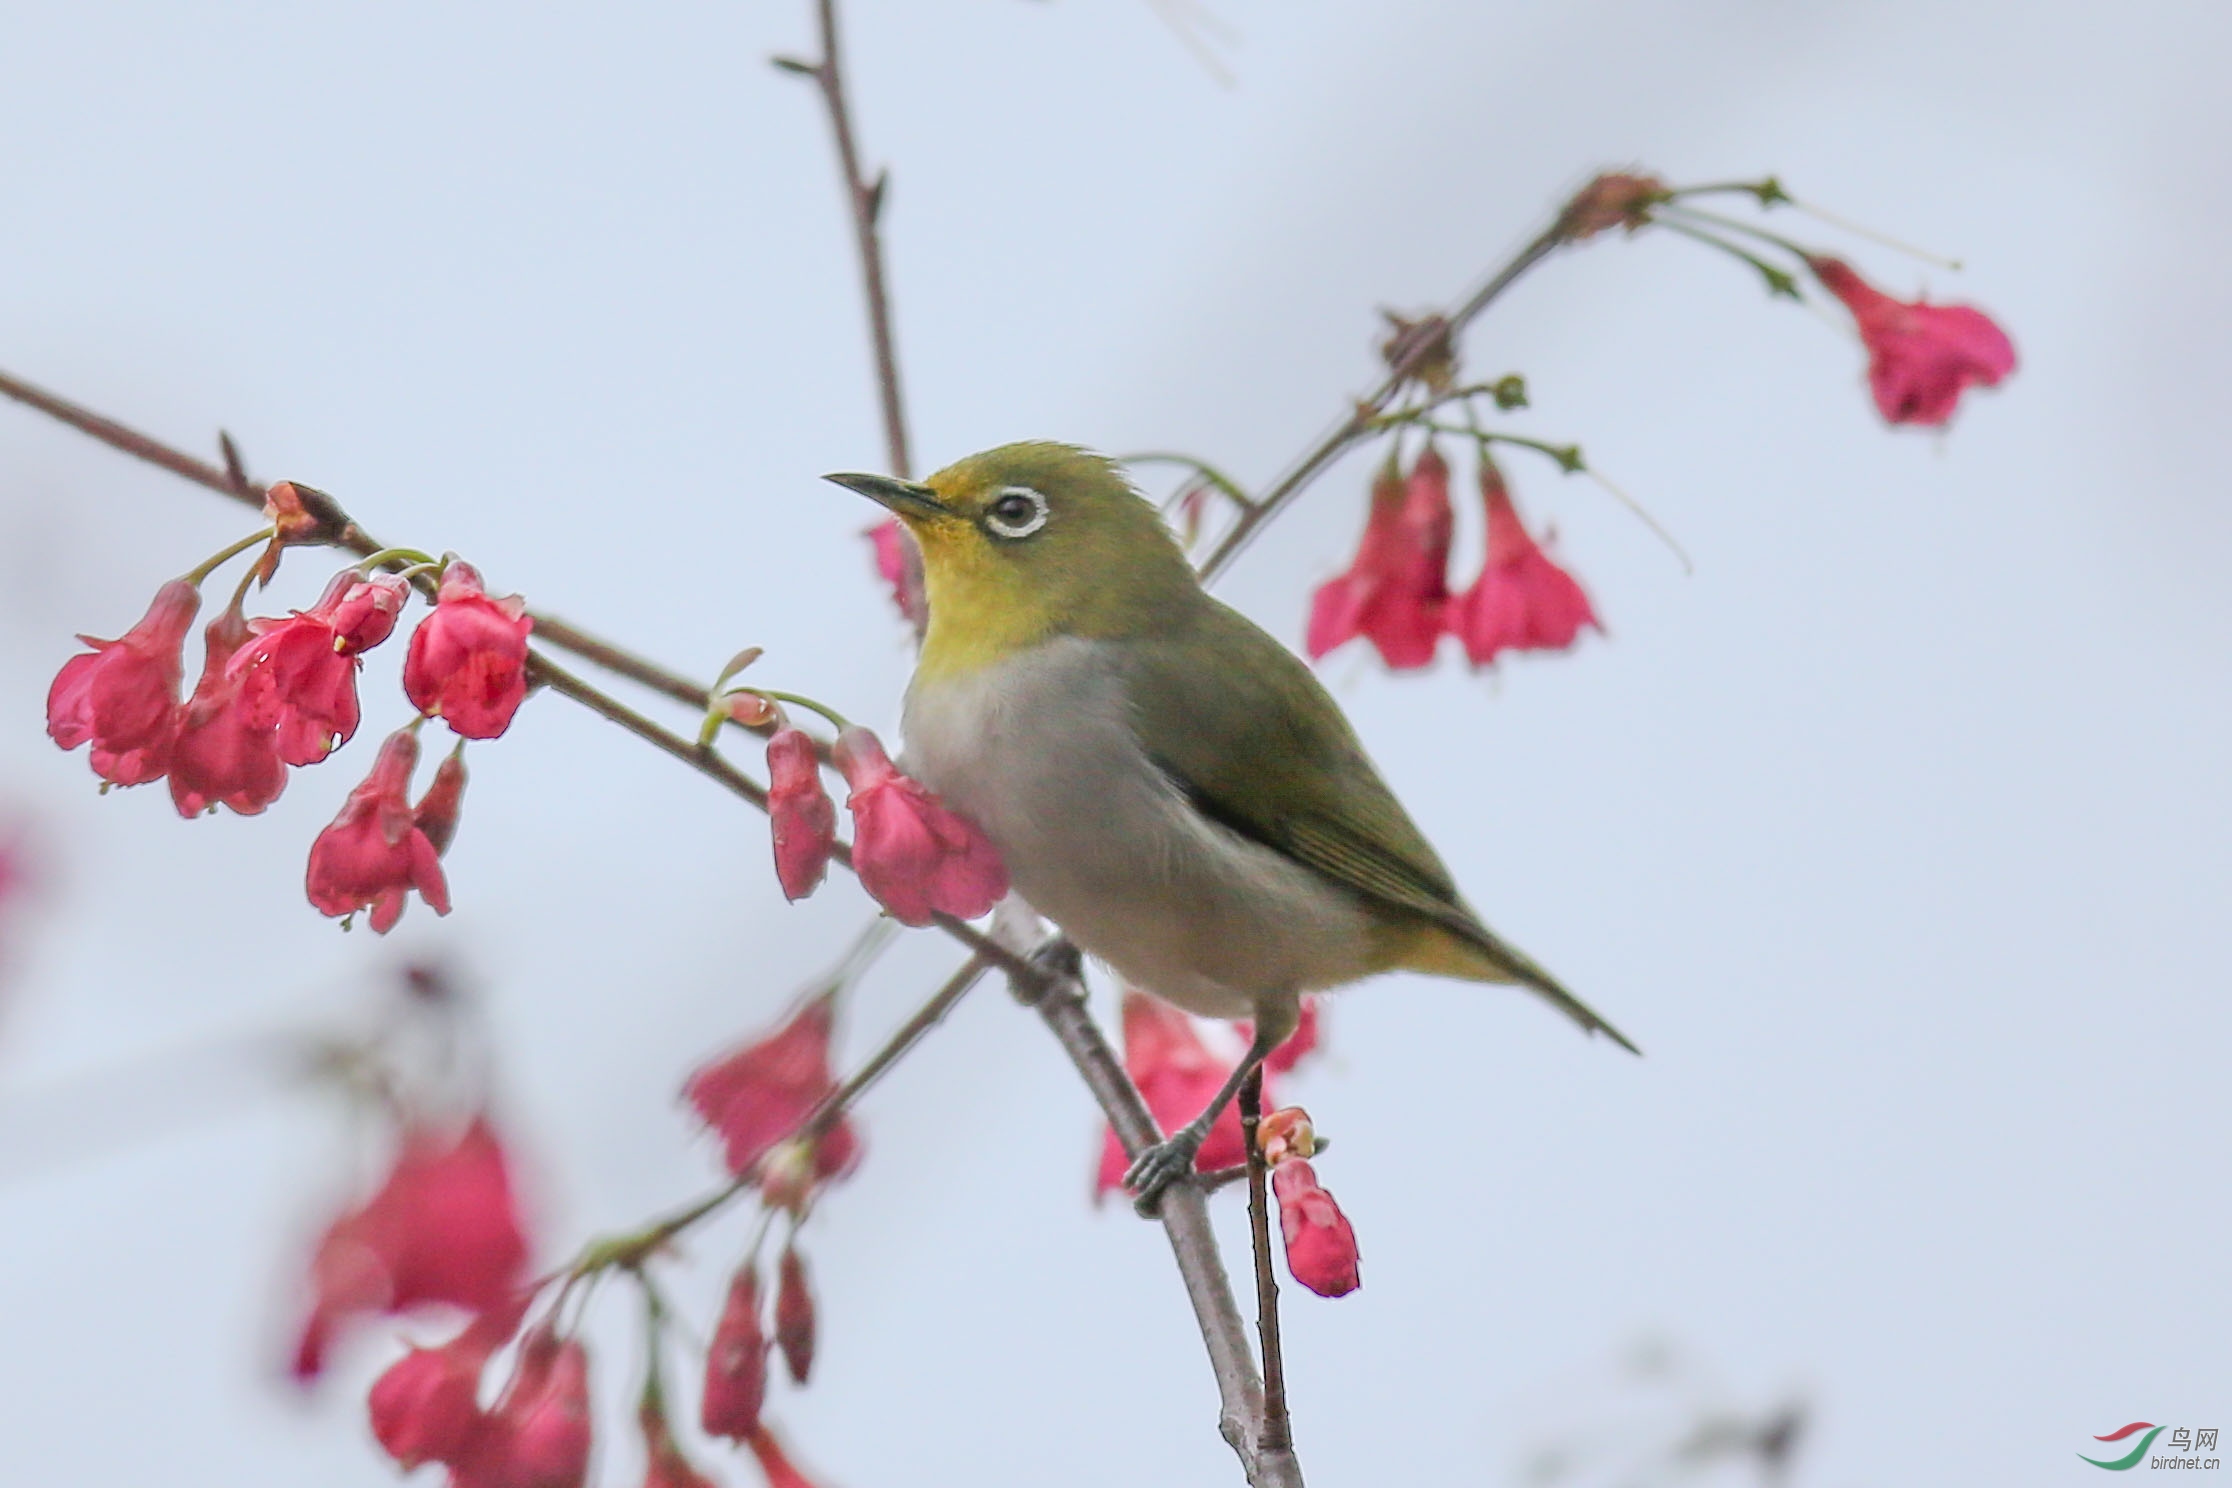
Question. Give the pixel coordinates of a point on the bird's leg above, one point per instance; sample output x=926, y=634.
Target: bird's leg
x=1156, y=1168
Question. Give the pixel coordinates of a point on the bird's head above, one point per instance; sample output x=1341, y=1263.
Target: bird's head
x=1031, y=541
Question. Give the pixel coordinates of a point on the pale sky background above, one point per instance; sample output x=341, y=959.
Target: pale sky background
x=1897, y=835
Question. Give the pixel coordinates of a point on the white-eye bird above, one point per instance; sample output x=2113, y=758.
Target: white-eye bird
x=1167, y=783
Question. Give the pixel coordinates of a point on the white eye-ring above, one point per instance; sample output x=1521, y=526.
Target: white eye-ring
x=1018, y=511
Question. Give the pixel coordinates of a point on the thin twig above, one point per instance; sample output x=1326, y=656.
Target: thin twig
x=1278, y=1430
x=1359, y=420
x=865, y=198
x=928, y=1016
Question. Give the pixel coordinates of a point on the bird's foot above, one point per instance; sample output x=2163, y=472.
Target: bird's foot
x=1162, y=1165
x=1057, y=955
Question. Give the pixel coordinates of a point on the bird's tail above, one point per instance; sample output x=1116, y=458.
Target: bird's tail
x=1464, y=948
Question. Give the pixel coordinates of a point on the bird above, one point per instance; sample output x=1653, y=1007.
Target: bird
x=1166, y=782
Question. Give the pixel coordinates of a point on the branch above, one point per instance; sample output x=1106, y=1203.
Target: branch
x=1404, y=365
x=865, y=198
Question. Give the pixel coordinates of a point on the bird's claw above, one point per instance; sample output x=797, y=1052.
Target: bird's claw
x=1160, y=1166
x=1057, y=955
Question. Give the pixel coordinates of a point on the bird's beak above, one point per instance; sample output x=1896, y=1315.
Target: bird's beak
x=907, y=498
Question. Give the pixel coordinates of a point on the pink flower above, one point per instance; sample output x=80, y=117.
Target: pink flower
x=1397, y=588
x=538, y=1435
x=123, y=696
x=778, y=1469
x=437, y=811
x=898, y=567
x=758, y=1095
x=1521, y=601
x=736, y=1363
x=219, y=755
x=375, y=851
x=664, y=1466
x=443, y=1227
x=794, y=1315
x=801, y=817
x=426, y=1406
x=299, y=674
x=468, y=660
x=916, y=857
x=1921, y=357
x=1320, y=1245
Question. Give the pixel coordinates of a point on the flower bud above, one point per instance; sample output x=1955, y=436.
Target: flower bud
x=794, y=1315
x=1320, y=1245
x=1286, y=1134
x=801, y=817
x=1614, y=199
x=736, y=1363
x=436, y=812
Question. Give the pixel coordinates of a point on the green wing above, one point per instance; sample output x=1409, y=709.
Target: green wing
x=1259, y=746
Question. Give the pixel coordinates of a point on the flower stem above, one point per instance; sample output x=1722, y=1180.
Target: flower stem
x=386, y=556
x=1224, y=484
x=1779, y=281
x=1735, y=224
x=836, y=719
x=219, y=559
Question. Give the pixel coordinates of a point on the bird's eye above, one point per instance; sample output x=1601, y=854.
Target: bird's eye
x=1018, y=511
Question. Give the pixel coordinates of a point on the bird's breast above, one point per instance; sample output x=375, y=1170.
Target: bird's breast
x=1040, y=749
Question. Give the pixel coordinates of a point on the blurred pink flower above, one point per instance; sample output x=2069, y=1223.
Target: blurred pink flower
x=1921, y=357
x=736, y=1362
x=758, y=1095
x=443, y=1226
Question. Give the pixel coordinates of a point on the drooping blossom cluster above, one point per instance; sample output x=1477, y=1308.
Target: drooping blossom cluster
x=504, y=1401
x=280, y=692
x=1320, y=1244
x=1396, y=590
x=1177, y=1073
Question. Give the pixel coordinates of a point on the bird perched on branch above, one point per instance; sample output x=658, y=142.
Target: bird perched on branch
x=1166, y=782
